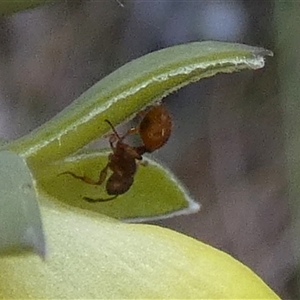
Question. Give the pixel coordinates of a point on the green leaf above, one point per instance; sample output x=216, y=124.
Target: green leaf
x=20, y=221
x=156, y=193
x=94, y=258
x=128, y=90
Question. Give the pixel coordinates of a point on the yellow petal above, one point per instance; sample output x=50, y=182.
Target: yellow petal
x=92, y=257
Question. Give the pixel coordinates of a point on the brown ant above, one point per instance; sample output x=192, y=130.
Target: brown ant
x=154, y=129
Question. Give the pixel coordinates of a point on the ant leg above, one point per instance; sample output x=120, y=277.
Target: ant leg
x=88, y=180
x=103, y=175
x=82, y=178
x=116, y=137
x=136, y=129
x=91, y=200
x=113, y=137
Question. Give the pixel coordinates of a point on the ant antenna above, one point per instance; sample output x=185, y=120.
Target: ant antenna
x=113, y=129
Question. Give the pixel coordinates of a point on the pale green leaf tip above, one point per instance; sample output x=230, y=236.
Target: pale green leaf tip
x=191, y=205
x=192, y=208
x=263, y=52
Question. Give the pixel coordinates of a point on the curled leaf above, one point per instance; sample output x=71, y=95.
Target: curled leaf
x=155, y=193
x=128, y=90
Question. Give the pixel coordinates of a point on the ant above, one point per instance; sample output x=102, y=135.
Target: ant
x=154, y=129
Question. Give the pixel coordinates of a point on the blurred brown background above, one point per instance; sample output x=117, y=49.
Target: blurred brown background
x=228, y=140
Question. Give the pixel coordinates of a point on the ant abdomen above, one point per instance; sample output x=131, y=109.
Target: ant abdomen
x=155, y=129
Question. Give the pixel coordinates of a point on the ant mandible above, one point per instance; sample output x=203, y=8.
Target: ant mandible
x=154, y=129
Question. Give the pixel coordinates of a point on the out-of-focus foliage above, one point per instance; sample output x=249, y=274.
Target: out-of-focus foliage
x=287, y=51
x=13, y=6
